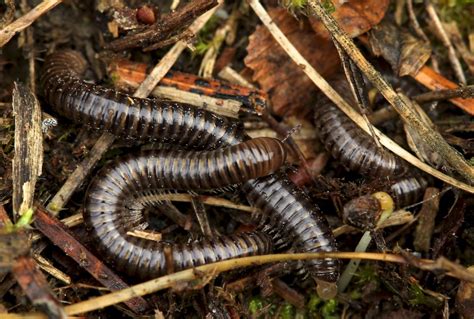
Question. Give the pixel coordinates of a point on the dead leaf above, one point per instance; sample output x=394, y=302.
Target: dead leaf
x=405, y=53
x=355, y=16
x=290, y=90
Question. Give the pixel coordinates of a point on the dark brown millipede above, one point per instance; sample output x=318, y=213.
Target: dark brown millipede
x=408, y=190
x=114, y=202
x=355, y=149
x=292, y=216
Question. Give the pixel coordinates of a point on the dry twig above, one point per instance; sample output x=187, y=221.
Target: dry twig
x=25, y=21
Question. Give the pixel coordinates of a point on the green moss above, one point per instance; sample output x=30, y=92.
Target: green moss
x=418, y=297
x=328, y=310
x=255, y=305
x=287, y=311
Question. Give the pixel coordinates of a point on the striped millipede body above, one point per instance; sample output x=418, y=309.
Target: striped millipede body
x=356, y=150
x=284, y=206
x=408, y=190
x=114, y=203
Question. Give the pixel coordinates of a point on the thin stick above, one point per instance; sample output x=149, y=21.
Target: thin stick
x=48, y=267
x=465, y=92
x=160, y=70
x=25, y=21
x=80, y=173
x=443, y=36
x=343, y=105
x=107, y=139
x=207, y=200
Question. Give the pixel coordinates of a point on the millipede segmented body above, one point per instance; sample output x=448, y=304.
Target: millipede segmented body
x=352, y=146
x=127, y=116
x=114, y=205
x=408, y=190
x=297, y=220
x=280, y=201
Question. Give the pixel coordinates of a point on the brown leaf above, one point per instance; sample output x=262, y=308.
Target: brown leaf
x=355, y=16
x=405, y=53
x=289, y=88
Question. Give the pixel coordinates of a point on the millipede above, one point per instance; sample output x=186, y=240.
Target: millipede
x=289, y=215
x=353, y=147
x=408, y=190
x=113, y=202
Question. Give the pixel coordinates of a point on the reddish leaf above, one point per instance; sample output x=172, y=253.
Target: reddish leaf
x=290, y=90
x=355, y=16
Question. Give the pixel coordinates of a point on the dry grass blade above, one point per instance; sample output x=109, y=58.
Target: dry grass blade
x=28, y=159
x=25, y=21
x=432, y=138
x=196, y=274
x=320, y=82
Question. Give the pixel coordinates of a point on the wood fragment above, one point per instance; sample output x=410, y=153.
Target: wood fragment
x=9, y=13
x=464, y=92
x=210, y=94
x=35, y=286
x=25, y=21
x=208, y=61
x=48, y=267
x=288, y=293
x=202, y=217
x=164, y=27
x=60, y=236
x=435, y=81
x=465, y=297
x=28, y=160
x=149, y=235
x=80, y=173
x=189, y=275
x=456, y=37
x=232, y=76
x=426, y=220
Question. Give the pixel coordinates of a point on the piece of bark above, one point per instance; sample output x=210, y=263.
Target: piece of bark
x=435, y=81
x=354, y=17
x=164, y=28
x=61, y=237
x=288, y=293
x=426, y=220
x=211, y=94
x=28, y=159
x=35, y=286
x=290, y=90
x=14, y=257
